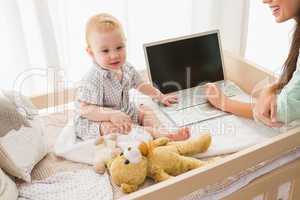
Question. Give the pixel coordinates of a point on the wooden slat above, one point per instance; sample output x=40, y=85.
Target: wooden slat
x=271, y=193
x=295, y=191
x=54, y=99
x=269, y=182
x=244, y=73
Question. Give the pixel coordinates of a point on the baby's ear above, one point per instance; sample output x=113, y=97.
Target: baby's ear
x=90, y=52
x=143, y=147
x=127, y=188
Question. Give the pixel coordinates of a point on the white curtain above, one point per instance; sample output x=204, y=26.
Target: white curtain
x=13, y=51
x=46, y=38
x=146, y=21
x=29, y=60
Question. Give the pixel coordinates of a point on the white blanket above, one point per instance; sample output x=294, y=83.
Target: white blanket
x=229, y=134
x=71, y=148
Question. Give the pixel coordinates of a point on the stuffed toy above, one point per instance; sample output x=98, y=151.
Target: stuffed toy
x=106, y=149
x=159, y=159
x=109, y=146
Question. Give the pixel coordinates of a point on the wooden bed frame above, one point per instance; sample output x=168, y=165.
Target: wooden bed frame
x=246, y=75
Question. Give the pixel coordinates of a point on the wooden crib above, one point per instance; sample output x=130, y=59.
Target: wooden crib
x=246, y=75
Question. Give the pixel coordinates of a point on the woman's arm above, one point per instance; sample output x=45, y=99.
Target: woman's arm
x=220, y=101
x=238, y=108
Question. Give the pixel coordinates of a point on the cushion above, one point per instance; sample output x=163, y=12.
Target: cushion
x=21, y=150
x=10, y=118
x=22, y=103
x=8, y=189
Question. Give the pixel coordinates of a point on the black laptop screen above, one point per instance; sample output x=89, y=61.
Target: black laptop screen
x=185, y=63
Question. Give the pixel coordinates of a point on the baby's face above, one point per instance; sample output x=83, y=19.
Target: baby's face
x=108, y=49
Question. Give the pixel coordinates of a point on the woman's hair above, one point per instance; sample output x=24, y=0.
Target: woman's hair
x=290, y=64
x=102, y=22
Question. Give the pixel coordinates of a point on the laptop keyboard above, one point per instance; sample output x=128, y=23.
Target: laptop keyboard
x=189, y=100
x=194, y=114
x=196, y=96
x=192, y=106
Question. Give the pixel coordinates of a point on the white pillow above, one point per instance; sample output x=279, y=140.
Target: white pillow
x=8, y=189
x=21, y=150
x=23, y=104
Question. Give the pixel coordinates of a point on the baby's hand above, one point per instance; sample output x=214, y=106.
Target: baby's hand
x=182, y=134
x=168, y=100
x=122, y=121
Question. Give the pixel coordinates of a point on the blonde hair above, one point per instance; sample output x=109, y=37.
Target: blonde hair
x=102, y=23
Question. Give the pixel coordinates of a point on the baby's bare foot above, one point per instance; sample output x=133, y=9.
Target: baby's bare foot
x=182, y=134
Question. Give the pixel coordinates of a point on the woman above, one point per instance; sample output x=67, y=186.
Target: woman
x=279, y=103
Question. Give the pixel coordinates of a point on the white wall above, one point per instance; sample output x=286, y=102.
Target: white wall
x=205, y=15
x=148, y=21
x=229, y=16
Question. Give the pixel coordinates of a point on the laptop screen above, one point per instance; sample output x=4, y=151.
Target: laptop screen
x=185, y=63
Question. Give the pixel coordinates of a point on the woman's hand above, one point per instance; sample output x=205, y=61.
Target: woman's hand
x=265, y=108
x=168, y=100
x=215, y=96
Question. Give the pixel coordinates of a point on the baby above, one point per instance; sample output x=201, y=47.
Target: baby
x=103, y=105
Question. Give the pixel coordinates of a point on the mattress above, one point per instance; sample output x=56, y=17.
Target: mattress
x=52, y=165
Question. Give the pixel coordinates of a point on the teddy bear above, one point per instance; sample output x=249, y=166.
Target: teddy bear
x=159, y=159
x=106, y=148
x=111, y=145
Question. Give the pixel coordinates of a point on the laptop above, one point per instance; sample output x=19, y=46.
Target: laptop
x=183, y=66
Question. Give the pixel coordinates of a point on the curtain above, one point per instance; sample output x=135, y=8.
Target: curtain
x=29, y=59
x=44, y=44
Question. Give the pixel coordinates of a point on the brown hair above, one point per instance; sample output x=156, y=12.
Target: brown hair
x=290, y=64
x=101, y=23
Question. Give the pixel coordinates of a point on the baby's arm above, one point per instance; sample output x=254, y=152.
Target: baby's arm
x=154, y=93
x=149, y=90
x=96, y=113
x=104, y=114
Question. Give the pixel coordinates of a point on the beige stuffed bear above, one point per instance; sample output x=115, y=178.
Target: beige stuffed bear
x=159, y=159
x=106, y=149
